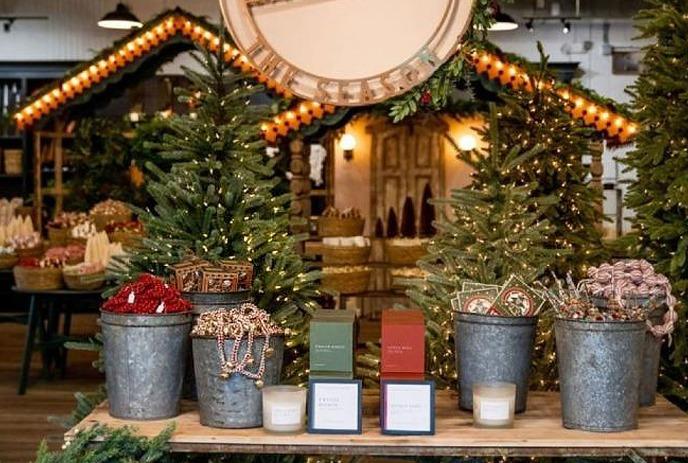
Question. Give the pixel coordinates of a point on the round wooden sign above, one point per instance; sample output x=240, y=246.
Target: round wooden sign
x=347, y=52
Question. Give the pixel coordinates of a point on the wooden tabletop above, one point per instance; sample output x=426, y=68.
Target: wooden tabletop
x=663, y=431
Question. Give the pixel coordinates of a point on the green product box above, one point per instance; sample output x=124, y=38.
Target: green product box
x=332, y=344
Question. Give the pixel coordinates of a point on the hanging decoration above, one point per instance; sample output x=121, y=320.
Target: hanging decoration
x=181, y=25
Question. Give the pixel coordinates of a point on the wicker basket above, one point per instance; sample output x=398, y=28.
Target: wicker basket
x=37, y=279
x=8, y=261
x=347, y=282
x=59, y=236
x=30, y=252
x=335, y=226
x=87, y=282
x=102, y=220
x=345, y=255
x=404, y=255
x=127, y=239
x=13, y=161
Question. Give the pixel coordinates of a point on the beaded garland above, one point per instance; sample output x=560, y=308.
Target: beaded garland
x=147, y=295
x=627, y=279
x=244, y=322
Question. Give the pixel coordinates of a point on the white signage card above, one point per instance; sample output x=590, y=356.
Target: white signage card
x=335, y=406
x=408, y=407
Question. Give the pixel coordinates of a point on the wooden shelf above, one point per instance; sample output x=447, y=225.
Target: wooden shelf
x=663, y=431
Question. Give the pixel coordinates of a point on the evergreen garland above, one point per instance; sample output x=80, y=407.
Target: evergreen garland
x=659, y=195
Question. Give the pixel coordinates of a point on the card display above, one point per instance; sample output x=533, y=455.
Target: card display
x=334, y=406
x=407, y=407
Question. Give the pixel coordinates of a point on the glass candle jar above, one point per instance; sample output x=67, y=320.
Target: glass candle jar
x=493, y=405
x=284, y=409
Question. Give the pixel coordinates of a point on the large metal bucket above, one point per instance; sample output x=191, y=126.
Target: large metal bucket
x=651, y=354
x=493, y=349
x=234, y=402
x=201, y=303
x=599, y=373
x=144, y=363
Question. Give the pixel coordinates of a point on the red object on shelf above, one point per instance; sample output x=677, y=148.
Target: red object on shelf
x=403, y=345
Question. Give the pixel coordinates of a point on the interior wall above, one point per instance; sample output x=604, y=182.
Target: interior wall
x=352, y=179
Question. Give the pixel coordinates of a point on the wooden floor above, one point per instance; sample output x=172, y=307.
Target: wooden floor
x=24, y=419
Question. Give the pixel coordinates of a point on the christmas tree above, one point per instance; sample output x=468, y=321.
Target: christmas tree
x=659, y=195
x=218, y=201
x=538, y=118
x=494, y=229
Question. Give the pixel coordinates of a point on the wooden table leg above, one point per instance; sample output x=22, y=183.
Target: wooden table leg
x=53, y=350
x=28, y=345
x=66, y=329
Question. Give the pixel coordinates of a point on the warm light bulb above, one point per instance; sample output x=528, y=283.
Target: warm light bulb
x=348, y=142
x=467, y=142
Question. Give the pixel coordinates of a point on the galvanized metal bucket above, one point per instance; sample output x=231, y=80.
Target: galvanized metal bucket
x=234, y=402
x=144, y=363
x=493, y=349
x=209, y=302
x=600, y=365
x=651, y=354
x=201, y=303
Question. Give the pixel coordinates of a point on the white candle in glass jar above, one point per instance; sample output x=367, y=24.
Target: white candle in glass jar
x=284, y=409
x=494, y=405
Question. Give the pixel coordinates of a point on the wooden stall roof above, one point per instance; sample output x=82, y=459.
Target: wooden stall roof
x=175, y=25
x=663, y=431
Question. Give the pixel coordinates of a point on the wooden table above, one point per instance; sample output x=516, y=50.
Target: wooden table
x=663, y=431
x=44, y=317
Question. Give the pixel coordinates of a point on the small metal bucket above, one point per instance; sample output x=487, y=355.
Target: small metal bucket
x=234, y=402
x=599, y=373
x=144, y=363
x=201, y=303
x=493, y=349
x=209, y=302
x=651, y=355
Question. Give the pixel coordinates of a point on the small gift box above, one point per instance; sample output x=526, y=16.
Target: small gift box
x=331, y=344
x=403, y=345
x=244, y=271
x=219, y=281
x=188, y=276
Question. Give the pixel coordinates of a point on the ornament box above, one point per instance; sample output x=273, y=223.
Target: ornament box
x=331, y=344
x=403, y=345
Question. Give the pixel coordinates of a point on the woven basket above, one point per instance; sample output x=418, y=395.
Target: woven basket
x=128, y=239
x=335, y=226
x=37, y=279
x=101, y=220
x=30, y=252
x=8, y=261
x=13, y=162
x=347, y=282
x=404, y=255
x=59, y=236
x=345, y=255
x=88, y=282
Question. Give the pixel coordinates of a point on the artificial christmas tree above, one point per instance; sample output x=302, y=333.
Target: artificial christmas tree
x=217, y=201
x=659, y=195
x=495, y=229
x=538, y=118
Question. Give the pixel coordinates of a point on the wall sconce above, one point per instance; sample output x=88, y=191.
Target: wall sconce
x=348, y=144
x=468, y=142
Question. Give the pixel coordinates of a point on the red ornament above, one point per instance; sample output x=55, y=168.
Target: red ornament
x=426, y=98
x=147, y=295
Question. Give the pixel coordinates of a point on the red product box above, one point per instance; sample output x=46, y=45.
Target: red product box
x=403, y=345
